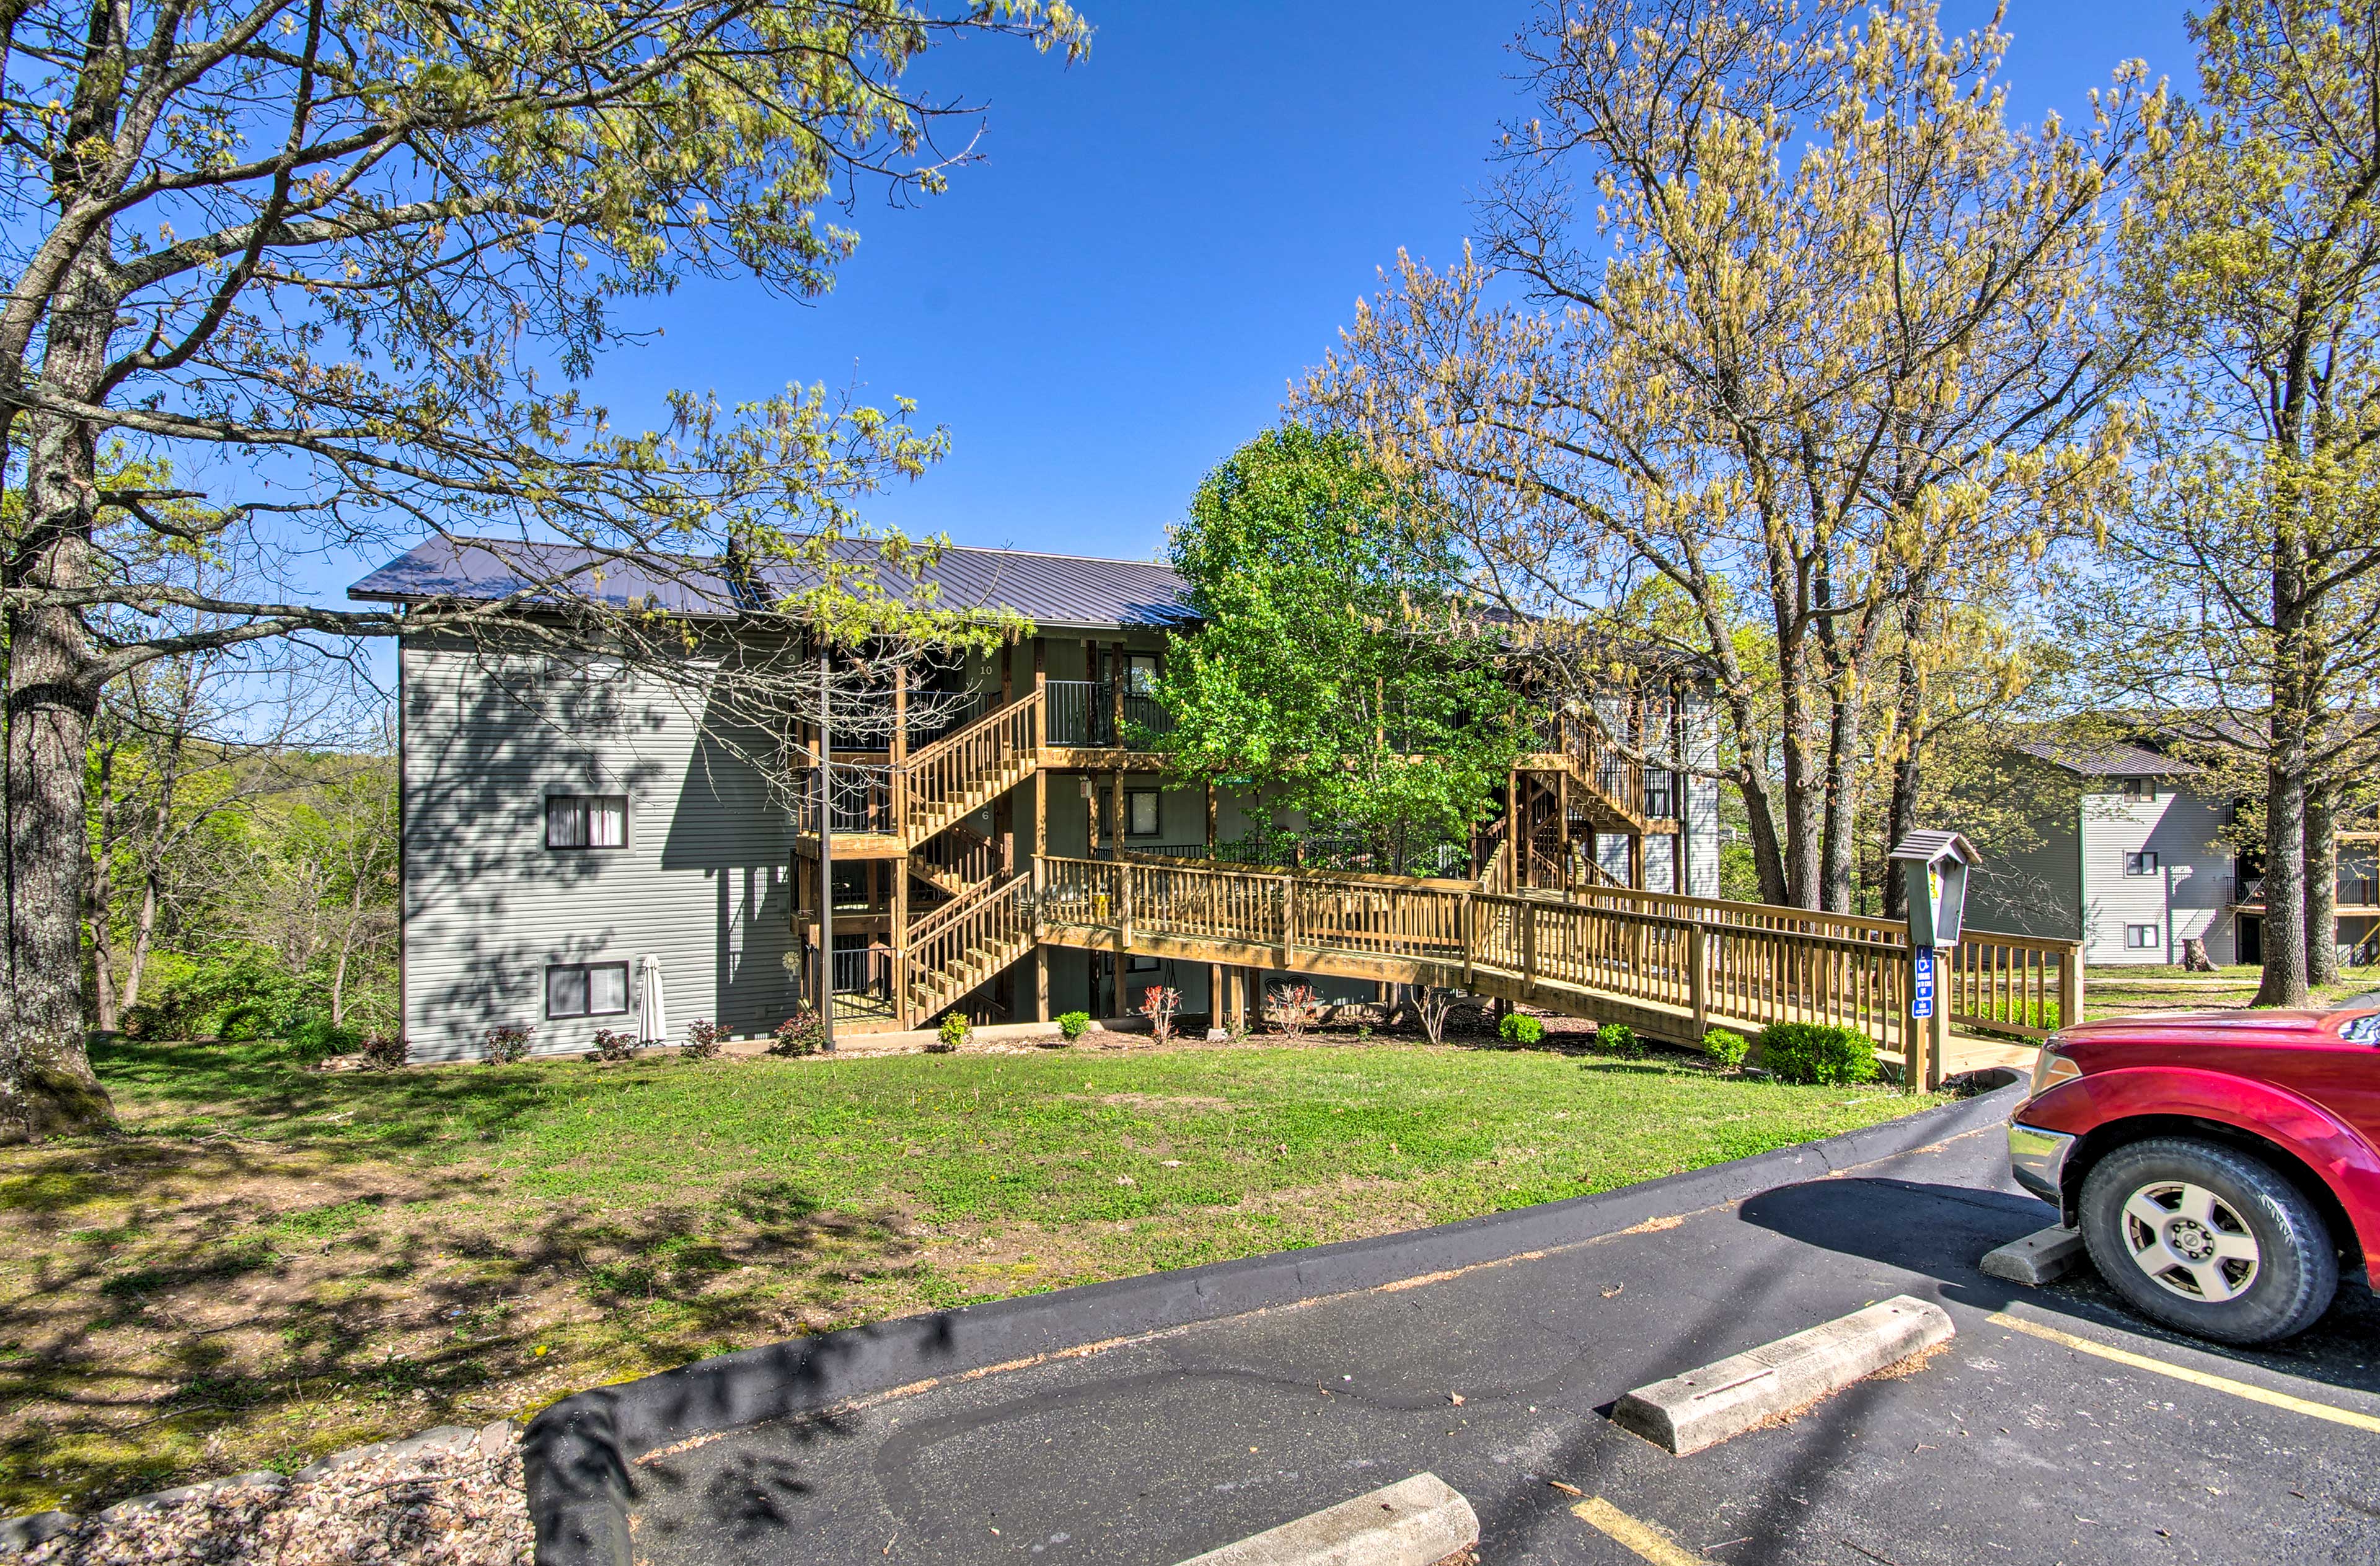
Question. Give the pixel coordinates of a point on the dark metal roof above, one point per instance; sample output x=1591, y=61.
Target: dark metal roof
x=1049, y=589
x=2108, y=759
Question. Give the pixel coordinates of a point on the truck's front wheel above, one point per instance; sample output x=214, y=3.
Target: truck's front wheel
x=2208, y=1238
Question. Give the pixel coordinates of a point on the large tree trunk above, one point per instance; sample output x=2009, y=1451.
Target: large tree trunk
x=2284, y=979
x=46, y=1084
x=1841, y=821
x=2322, y=884
x=1909, y=721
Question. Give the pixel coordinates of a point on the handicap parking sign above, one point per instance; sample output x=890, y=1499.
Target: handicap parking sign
x=1921, y=997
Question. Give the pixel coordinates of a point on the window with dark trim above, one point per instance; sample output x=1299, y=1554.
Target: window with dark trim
x=1140, y=817
x=2143, y=863
x=1140, y=963
x=586, y=820
x=586, y=989
x=2143, y=937
x=2140, y=788
x=1140, y=673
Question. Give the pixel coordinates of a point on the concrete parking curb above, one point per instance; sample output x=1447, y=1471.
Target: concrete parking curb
x=579, y=1453
x=1416, y=1521
x=1704, y=1406
x=2043, y=1256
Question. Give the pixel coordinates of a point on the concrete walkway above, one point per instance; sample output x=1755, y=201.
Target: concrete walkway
x=1498, y=1374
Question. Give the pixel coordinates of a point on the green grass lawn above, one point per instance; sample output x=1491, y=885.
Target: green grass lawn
x=2120, y=991
x=273, y=1262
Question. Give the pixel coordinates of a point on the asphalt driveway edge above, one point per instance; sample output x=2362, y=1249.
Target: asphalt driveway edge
x=579, y=1454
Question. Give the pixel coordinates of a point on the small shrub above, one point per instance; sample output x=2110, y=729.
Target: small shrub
x=383, y=1051
x=703, y=1040
x=315, y=1039
x=1619, y=1039
x=951, y=1034
x=1726, y=1050
x=614, y=1044
x=1522, y=1030
x=1434, y=1005
x=804, y=1033
x=1814, y=1052
x=1073, y=1025
x=1293, y=1008
x=509, y=1042
x=1158, y=1004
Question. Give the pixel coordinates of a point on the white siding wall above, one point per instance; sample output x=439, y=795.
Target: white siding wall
x=2187, y=896
x=700, y=885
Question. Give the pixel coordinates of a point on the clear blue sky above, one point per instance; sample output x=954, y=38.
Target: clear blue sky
x=1160, y=238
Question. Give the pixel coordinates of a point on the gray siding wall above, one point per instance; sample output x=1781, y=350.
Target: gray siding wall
x=2033, y=889
x=487, y=906
x=2185, y=898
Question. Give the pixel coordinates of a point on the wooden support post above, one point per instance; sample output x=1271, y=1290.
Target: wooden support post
x=1210, y=822
x=1636, y=860
x=1513, y=830
x=2070, y=987
x=1115, y=817
x=1562, y=804
x=1470, y=937
x=1528, y=911
x=1698, y=977
x=1917, y=1032
x=1215, y=996
x=901, y=944
x=1288, y=920
x=1041, y=984
x=1115, y=697
x=1007, y=673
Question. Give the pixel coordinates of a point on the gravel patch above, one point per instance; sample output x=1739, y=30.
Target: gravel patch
x=448, y=1508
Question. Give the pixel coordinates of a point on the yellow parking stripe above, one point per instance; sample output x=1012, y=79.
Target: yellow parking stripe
x=2306, y=1406
x=1602, y=1514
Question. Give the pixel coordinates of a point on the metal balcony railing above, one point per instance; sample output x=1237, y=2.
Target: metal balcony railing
x=862, y=799
x=1083, y=712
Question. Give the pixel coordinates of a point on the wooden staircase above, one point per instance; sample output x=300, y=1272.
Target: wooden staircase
x=963, y=945
x=1612, y=781
x=961, y=773
x=956, y=862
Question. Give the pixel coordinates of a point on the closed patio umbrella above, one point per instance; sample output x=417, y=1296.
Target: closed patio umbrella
x=653, y=1016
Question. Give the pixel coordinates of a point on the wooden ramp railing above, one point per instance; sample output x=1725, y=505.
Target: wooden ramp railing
x=1686, y=963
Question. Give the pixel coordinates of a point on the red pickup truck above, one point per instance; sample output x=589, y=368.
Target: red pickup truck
x=2223, y=1166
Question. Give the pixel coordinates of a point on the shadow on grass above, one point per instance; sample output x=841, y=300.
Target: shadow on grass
x=170, y=1309
x=257, y=1090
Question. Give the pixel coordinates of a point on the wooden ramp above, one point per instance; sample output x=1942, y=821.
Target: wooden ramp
x=1670, y=967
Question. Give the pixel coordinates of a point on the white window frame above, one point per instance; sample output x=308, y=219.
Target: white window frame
x=2140, y=862
x=2135, y=941
x=586, y=973
x=586, y=809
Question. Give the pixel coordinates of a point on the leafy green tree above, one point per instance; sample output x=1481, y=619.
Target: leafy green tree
x=2242, y=592
x=350, y=261
x=1338, y=664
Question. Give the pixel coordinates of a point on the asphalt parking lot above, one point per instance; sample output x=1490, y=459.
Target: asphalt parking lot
x=2016, y=1443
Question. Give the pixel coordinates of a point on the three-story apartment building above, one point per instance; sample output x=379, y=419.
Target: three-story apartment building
x=577, y=827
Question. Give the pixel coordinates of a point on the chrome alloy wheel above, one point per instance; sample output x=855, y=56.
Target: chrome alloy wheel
x=2190, y=1241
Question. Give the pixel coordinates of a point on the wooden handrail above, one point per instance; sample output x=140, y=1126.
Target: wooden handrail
x=946, y=775
x=1746, y=964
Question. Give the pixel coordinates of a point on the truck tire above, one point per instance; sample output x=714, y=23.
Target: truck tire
x=2208, y=1238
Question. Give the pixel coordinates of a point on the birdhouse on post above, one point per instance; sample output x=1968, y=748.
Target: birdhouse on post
x=1936, y=865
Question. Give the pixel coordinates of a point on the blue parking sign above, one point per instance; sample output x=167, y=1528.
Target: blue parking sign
x=1921, y=994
